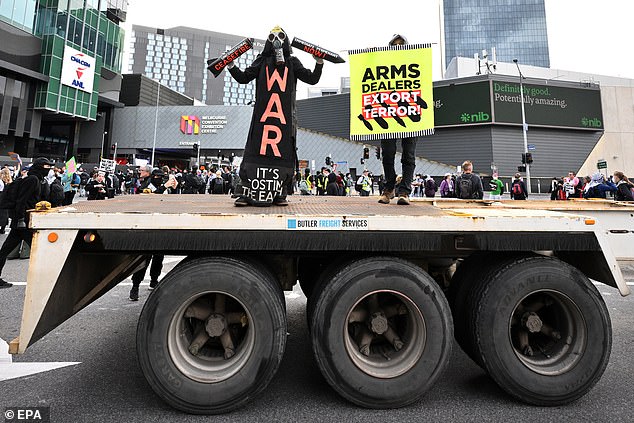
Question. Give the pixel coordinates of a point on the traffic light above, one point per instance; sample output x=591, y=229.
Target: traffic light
x=195, y=147
x=328, y=161
x=366, y=153
x=113, y=147
x=521, y=168
x=362, y=161
x=529, y=158
x=377, y=152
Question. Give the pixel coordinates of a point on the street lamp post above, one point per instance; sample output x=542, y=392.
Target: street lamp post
x=158, y=96
x=524, y=128
x=103, y=141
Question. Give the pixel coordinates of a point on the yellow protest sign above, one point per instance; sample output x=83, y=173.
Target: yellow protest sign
x=391, y=92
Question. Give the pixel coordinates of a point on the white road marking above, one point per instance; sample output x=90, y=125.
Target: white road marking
x=10, y=370
x=602, y=284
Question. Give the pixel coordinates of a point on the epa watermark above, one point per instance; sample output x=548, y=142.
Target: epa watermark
x=27, y=415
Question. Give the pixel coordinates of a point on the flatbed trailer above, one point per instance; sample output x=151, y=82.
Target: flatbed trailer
x=387, y=286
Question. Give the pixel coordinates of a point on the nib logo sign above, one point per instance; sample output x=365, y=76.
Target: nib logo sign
x=475, y=117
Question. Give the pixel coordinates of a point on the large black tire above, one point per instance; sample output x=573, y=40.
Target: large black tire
x=410, y=304
x=467, y=269
x=308, y=274
x=464, y=282
x=209, y=382
x=463, y=295
x=542, y=331
x=322, y=279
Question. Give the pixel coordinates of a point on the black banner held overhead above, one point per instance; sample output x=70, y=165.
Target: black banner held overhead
x=216, y=66
x=317, y=51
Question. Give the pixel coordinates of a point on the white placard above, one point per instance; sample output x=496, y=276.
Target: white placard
x=78, y=69
x=107, y=165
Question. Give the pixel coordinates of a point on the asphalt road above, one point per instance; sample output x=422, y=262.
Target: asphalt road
x=107, y=385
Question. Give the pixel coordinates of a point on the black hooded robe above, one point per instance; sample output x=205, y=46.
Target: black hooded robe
x=270, y=152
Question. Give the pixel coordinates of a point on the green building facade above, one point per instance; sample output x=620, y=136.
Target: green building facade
x=60, y=76
x=80, y=25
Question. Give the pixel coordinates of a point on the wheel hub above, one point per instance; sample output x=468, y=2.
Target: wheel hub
x=532, y=322
x=385, y=334
x=216, y=325
x=548, y=332
x=378, y=323
x=211, y=337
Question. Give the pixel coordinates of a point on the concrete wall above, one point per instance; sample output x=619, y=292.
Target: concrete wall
x=616, y=146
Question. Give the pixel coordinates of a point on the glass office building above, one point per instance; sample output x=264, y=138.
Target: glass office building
x=41, y=113
x=176, y=57
x=81, y=25
x=516, y=28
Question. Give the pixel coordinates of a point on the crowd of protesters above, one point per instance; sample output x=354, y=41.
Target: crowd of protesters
x=596, y=186
x=99, y=184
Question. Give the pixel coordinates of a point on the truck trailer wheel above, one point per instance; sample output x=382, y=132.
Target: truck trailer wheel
x=212, y=335
x=542, y=331
x=466, y=277
x=321, y=280
x=381, y=332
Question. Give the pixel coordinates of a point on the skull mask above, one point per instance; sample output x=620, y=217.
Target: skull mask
x=277, y=38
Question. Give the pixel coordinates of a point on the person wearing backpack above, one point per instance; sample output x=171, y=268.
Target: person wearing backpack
x=518, y=188
x=55, y=190
x=217, y=183
x=24, y=195
x=365, y=183
x=192, y=182
x=468, y=184
x=430, y=187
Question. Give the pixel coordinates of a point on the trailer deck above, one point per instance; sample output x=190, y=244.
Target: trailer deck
x=218, y=212
x=373, y=274
x=299, y=204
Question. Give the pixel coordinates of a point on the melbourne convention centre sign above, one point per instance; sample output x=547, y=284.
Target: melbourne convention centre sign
x=499, y=102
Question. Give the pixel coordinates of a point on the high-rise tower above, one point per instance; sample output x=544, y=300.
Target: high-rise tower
x=516, y=28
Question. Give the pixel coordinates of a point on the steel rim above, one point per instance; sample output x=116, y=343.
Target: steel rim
x=548, y=332
x=375, y=353
x=210, y=363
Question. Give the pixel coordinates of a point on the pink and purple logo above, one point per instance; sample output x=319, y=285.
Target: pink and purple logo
x=190, y=125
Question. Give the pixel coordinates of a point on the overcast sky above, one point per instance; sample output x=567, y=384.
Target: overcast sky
x=584, y=35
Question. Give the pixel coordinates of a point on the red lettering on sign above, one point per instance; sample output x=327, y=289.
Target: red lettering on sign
x=278, y=113
x=271, y=79
x=266, y=140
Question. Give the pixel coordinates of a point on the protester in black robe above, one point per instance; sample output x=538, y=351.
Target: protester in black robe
x=270, y=153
